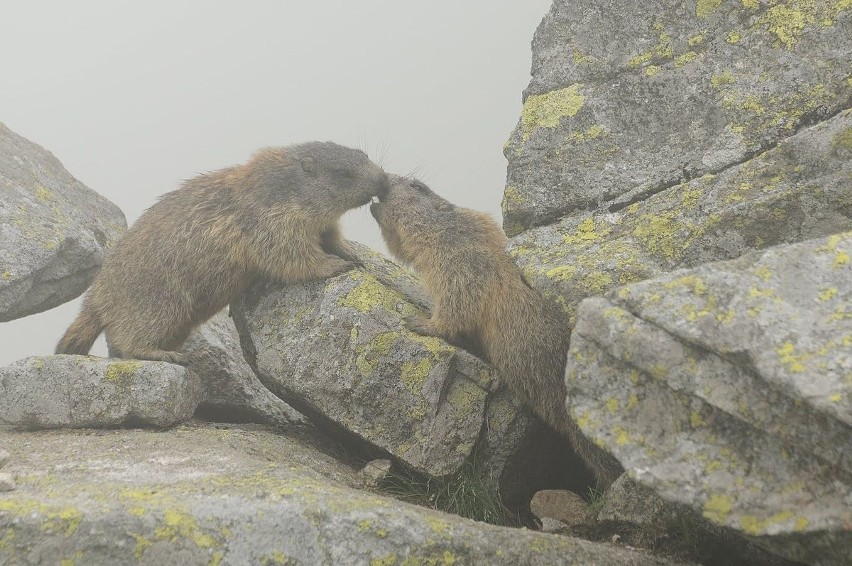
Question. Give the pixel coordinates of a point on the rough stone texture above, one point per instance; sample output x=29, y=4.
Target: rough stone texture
x=728, y=388
x=4, y=458
x=54, y=230
x=85, y=391
x=374, y=472
x=800, y=189
x=628, y=98
x=564, y=506
x=7, y=482
x=236, y=495
x=231, y=387
x=628, y=502
x=340, y=348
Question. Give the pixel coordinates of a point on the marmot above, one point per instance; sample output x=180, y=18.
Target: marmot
x=482, y=301
x=201, y=245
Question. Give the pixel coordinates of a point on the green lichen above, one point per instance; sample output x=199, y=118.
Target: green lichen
x=718, y=507
x=414, y=374
x=733, y=37
x=464, y=396
x=723, y=78
x=368, y=356
x=843, y=139
x=547, y=110
x=370, y=293
x=120, y=371
x=705, y=8
x=685, y=59
x=42, y=194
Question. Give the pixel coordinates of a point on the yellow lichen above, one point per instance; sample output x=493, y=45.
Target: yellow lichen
x=718, y=507
x=704, y=8
x=723, y=78
x=686, y=58
x=827, y=294
x=612, y=404
x=652, y=70
x=118, y=371
x=547, y=110
x=734, y=37
x=695, y=419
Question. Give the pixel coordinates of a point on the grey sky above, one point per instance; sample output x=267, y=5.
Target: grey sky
x=134, y=97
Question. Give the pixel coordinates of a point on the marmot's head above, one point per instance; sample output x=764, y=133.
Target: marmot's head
x=325, y=177
x=410, y=215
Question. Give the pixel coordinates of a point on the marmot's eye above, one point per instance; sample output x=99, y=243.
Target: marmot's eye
x=417, y=185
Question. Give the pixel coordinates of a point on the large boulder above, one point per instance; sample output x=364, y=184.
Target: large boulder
x=630, y=98
x=85, y=391
x=728, y=389
x=340, y=349
x=799, y=189
x=201, y=495
x=54, y=230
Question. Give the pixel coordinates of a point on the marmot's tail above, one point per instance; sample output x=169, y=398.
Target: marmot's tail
x=82, y=333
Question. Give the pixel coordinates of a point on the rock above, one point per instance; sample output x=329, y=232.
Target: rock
x=564, y=506
x=549, y=525
x=239, y=495
x=340, y=349
x=688, y=89
x=4, y=458
x=726, y=389
x=797, y=190
x=85, y=391
x=7, y=482
x=54, y=230
x=232, y=390
x=374, y=472
x=628, y=502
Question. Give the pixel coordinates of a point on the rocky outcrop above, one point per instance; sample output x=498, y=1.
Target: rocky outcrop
x=340, y=349
x=235, y=495
x=727, y=389
x=54, y=230
x=628, y=98
x=231, y=389
x=84, y=391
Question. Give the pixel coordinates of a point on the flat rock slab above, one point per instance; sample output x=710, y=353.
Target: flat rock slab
x=203, y=495
x=727, y=388
x=54, y=231
x=85, y=391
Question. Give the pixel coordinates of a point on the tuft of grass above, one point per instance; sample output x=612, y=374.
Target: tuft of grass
x=596, y=499
x=470, y=493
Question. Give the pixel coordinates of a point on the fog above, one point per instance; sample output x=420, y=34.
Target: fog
x=134, y=97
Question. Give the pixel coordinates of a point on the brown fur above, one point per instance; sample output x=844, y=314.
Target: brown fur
x=200, y=246
x=482, y=300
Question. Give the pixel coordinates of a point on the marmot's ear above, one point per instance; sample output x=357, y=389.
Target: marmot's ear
x=446, y=206
x=309, y=165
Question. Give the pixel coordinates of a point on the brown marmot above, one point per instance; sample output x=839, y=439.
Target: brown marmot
x=200, y=246
x=482, y=301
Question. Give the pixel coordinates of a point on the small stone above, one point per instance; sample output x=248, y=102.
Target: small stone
x=564, y=506
x=553, y=526
x=374, y=472
x=7, y=483
x=4, y=458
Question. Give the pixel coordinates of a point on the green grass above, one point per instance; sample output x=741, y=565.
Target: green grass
x=469, y=493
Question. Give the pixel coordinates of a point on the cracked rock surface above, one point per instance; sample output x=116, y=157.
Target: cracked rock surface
x=727, y=388
x=54, y=231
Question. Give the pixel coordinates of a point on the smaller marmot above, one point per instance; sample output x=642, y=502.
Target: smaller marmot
x=200, y=246
x=482, y=301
